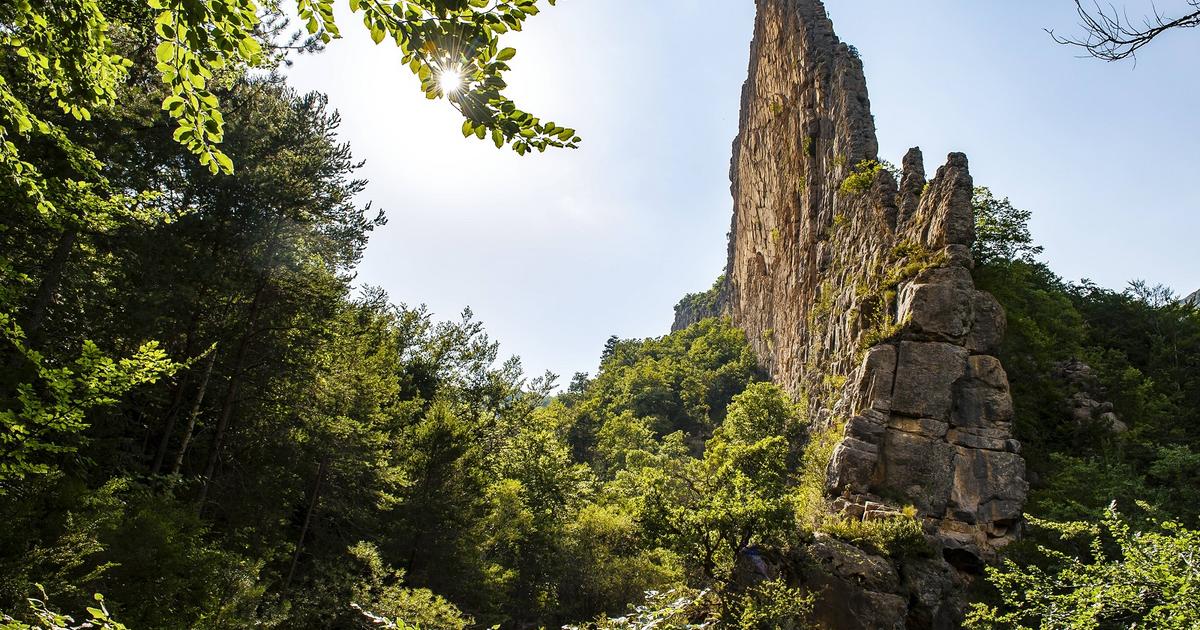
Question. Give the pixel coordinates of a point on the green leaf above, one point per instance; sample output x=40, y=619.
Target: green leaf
x=225, y=162
x=165, y=51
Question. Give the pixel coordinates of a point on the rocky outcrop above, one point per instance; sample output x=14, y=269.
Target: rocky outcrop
x=697, y=306
x=852, y=280
x=857, y=589
x=1086, y=405
x=853, y=283
x=1193, y=299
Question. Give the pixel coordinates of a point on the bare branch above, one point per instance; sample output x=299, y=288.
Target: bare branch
x=1111, y=35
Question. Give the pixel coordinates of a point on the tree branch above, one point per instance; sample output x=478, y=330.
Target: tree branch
x=1109, y=33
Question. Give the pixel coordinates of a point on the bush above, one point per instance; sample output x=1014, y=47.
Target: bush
x=676, y=609
x=1123, y=579
x=862, y=178
x=898, y=537
x=773, y=604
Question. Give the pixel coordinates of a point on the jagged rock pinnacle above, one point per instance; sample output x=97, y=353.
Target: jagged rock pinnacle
x=854, y=286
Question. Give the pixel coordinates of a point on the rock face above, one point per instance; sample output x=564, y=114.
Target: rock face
x=1086, y=405
x=1193, y=299
x=853, y=284
x=697, y=306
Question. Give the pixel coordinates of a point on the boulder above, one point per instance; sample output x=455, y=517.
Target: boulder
x=939, y=305
x=982, y=398
x=925, y=375
x=916, y=467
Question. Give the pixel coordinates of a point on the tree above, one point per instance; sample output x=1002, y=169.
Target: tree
x=736, y=495
x=218, y=477
x=1001, y=230
x=1110, y=34
x=1122, y=578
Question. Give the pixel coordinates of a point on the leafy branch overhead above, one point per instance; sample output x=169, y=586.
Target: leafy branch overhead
x=65, y=50
x=453, y=46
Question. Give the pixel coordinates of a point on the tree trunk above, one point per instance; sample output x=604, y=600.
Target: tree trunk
x=231, y=392
x=191, y=425
x=35, y=318
x=312, y=506
x=172, y=415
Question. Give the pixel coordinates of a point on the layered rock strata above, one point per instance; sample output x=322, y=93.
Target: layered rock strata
x=853, y=282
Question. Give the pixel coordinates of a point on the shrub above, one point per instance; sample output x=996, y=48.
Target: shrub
x=861, y=178
x=773, y=604
x=899, y=537
x=676, y=609
x=1126, y=578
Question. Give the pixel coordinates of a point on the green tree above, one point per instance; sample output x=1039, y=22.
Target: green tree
x=66, y=52
x=735, y=496
x=1123, y=578
x=1001, y=230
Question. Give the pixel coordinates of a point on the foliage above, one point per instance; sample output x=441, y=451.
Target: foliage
x=774, y=605
x=675, y=609
x=290, y=453
x=899, y=536
x=293, y=452
x=735, y=496
x=681, y=382
x=705, y=303
x=1141, y=346
x=380, y=591
x=1124, y=578
x=610, y=563
x=50, y=410
x=861, y=178
x=67, y=52
x=1001, y=230
x=808, y=495
x=45, y=619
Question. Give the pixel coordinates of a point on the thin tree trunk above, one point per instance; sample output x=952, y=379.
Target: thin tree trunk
x=172, y=415
x=227, y=403
x=231, y=392
x=35, y=318
x=312, y=506
x=191, y=425
x=169, y=425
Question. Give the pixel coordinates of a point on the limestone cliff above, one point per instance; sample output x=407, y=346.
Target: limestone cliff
x=853, y=283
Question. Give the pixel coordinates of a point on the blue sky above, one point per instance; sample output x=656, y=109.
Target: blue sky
x=558, y=251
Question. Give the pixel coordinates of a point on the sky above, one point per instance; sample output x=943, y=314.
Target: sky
x=555, y=252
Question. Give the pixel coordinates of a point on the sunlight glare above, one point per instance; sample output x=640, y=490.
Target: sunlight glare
x=450, y=80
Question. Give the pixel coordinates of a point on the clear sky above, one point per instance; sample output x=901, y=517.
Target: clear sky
x=557, y=251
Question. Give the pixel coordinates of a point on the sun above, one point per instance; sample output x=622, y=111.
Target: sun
x=450, y=80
